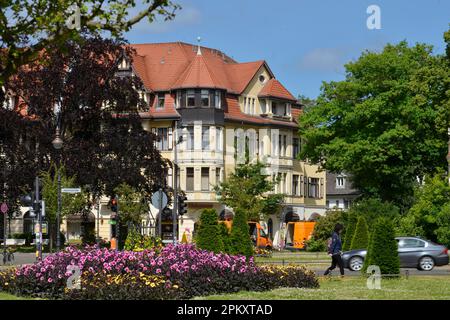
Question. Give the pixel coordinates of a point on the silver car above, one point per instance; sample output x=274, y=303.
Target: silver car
x=414, y=252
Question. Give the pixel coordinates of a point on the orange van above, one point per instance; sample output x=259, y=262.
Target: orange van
x=297, y=233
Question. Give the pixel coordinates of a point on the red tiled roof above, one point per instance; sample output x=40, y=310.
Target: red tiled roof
x=273, y=88
x=199, y=75
x=166, y=66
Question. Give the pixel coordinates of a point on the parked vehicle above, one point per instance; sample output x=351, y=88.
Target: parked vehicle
x=414, y=252
x=258, y=235
x=297, y=233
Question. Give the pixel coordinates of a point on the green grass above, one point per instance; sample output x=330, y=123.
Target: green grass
x=354, y=288
x=7, y=296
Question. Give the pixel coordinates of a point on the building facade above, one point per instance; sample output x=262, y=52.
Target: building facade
x=340, y=192
x=210, y=111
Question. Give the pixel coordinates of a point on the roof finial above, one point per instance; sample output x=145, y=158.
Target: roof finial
x=199, y=51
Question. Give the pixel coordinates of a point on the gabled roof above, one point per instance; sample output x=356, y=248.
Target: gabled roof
x=167, y=66
x=273, y=88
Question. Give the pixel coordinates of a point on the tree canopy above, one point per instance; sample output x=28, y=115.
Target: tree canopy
x=248, y=189
x=385, y=124
x=104, y=141
x=28, y=27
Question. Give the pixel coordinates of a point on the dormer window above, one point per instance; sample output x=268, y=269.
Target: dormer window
x=281, y=109
x=161, y=101
x=340, y=182
x=124, y=64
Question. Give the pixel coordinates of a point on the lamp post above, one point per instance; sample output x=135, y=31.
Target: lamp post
x=58, y=144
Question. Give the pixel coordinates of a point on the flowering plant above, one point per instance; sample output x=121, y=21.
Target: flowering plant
x=182, y=270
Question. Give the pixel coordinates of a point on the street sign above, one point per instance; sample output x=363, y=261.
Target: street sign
x=71, y=190
x=157, y=197
x=44, y=228
x=4, y=208
x=112, y=222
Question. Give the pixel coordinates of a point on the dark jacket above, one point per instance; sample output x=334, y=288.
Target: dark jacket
x=336, y=243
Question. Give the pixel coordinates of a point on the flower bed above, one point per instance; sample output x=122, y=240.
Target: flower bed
x=175, y=272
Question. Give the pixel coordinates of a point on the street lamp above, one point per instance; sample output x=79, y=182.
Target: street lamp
x=58, y=144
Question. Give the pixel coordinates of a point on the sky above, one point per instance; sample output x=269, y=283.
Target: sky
x=304, y=42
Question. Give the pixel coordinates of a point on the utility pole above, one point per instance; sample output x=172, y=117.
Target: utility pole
x=118, y=224
x=175, y=186
x=58, y=215
x=38, y=210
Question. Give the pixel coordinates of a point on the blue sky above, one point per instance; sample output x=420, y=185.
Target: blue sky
x=304, y=42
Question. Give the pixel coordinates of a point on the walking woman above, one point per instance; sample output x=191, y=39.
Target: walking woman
x=334, y=250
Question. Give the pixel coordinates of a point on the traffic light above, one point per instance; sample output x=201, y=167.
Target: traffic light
x=182, y=205
x=26, y=200
x=113, y=205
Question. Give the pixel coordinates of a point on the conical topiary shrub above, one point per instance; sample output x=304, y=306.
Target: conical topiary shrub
x=383, y=248
x=349, y=231
x=361, y=235
x=208, y=236
x=225, y=236
x=240, y=237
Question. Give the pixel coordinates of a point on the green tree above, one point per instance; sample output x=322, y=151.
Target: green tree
x=429, y=216
x=208, y=236
x=241, y=242
x=373, y=208
x=248, y=189
x=132, y=206
x=360, y=239
x=325, y=225
x=349, y=231
x=28, y=27
x=70, y=203
x=385, y=124
x=383, y=249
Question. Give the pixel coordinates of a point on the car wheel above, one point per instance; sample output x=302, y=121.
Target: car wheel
x=426, y=263
x=355, y=263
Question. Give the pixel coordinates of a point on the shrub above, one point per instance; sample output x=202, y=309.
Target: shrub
x=137, y=242
x=349, y=231
x=259, y=252
x=360, y=238
x=383, y=249
x=241, y=242
x=224, y=233
x=208, y=237
x=313, y=245
x=374, y=208
x=325, y=224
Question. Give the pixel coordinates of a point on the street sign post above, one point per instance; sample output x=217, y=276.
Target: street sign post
x=71, y=190
x=4, y=211
x=159, y=200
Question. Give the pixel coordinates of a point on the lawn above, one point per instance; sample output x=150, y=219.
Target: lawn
x=354, y=288
x=6, y=296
